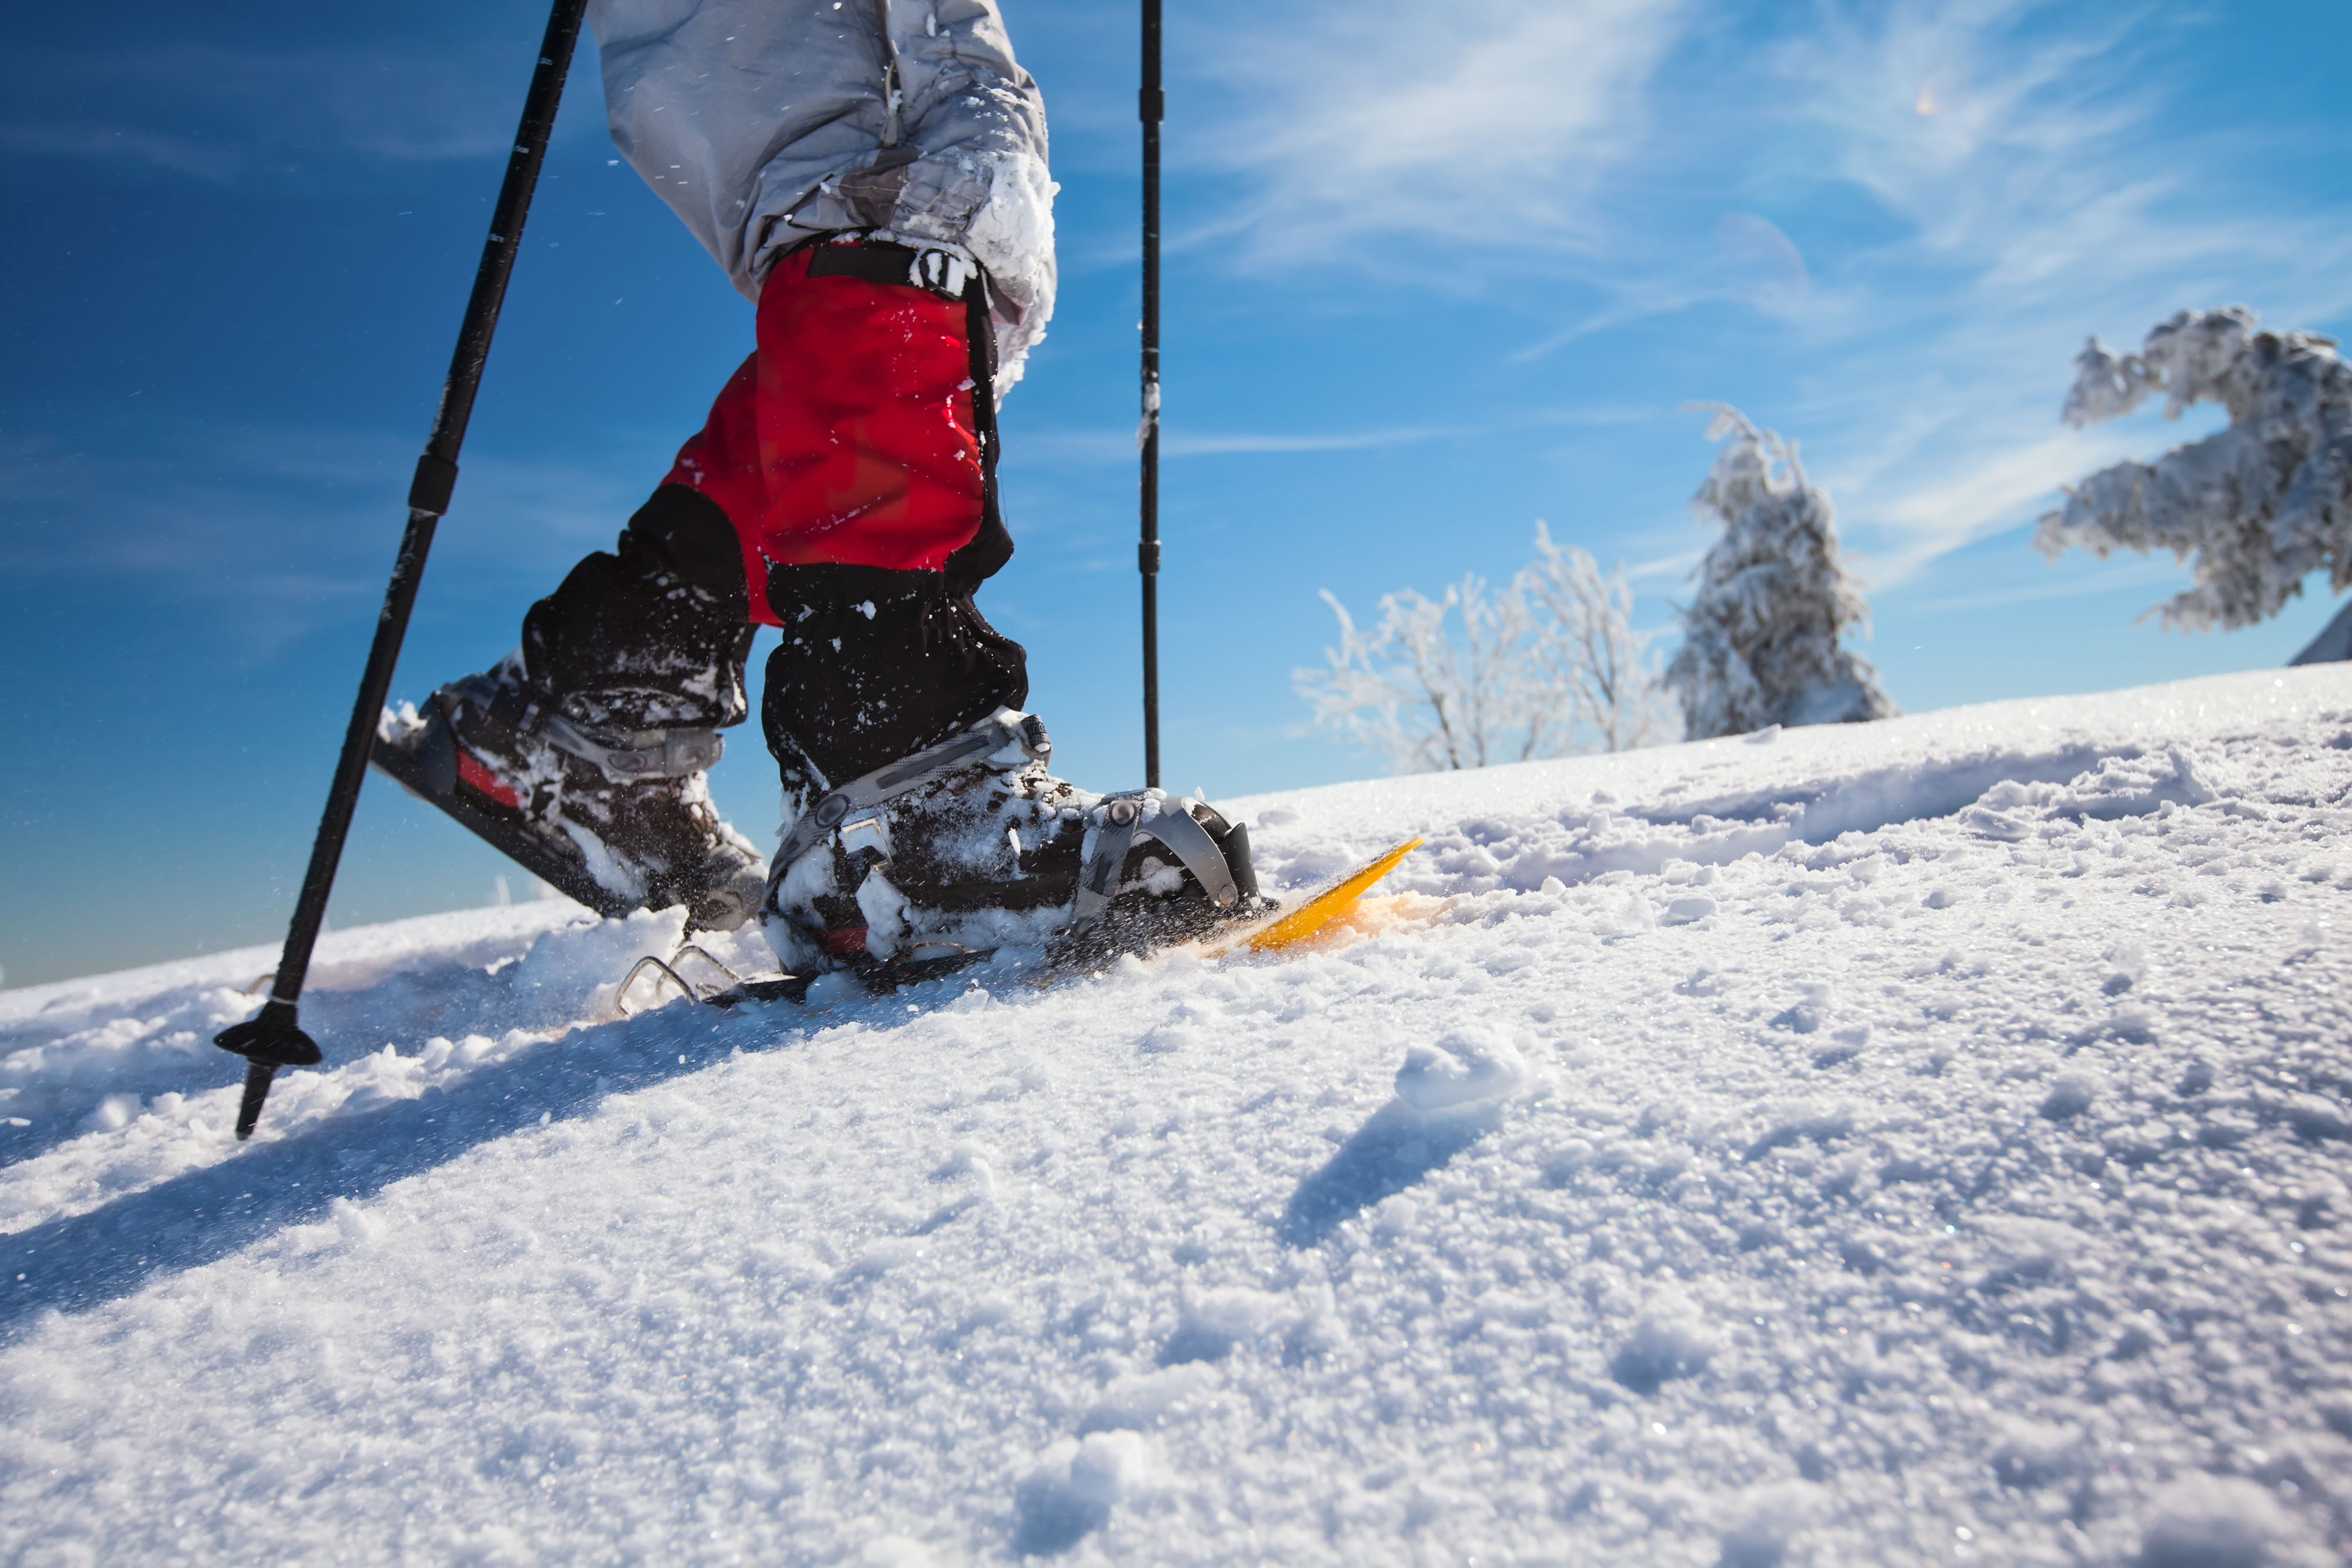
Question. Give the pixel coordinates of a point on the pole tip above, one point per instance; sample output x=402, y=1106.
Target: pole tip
x=257, y=1078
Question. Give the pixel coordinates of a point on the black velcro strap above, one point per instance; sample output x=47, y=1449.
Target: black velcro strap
x=872, y=261
x=945, y=273
x=991, y=546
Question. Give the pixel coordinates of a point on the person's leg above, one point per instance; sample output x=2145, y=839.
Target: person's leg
x=582, y=755
x=854, y=456
x=654, y=634
x=876, y=664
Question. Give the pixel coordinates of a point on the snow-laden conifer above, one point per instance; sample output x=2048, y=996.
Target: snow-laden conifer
x=1763, y=638
x=2259, y=506
x=1548, y=666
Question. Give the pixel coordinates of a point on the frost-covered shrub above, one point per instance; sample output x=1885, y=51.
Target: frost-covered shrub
x=1592, y=673
x=1762, y=639
x=2259, y=506
x=1548, y=666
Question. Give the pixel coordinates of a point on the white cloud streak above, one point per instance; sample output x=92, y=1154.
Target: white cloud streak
x=270, y=533
x=1369, y=124
x=1085, y=448
x=223, y=115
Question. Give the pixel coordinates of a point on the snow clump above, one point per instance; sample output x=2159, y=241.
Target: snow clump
x=1470, y=1066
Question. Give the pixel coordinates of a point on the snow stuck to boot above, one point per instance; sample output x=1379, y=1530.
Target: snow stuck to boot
x=984, y=849
x=618, y=822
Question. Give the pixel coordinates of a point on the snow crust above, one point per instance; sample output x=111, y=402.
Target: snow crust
x=1911, y=1141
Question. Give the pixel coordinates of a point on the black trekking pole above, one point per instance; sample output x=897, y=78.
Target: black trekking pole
x=1150, y=104
x=274, y=1039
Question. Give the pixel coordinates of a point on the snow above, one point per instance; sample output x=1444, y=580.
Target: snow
x=1911, y=1141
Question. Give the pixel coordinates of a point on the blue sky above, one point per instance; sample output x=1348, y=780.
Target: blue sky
x=1435, y=272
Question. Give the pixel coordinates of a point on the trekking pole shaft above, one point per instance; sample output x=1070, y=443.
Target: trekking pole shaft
x=428, y=495
x=351, y=764
x=1150, y=105
x=499, y=251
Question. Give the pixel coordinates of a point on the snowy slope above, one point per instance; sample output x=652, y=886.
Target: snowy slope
x=1909, y=1142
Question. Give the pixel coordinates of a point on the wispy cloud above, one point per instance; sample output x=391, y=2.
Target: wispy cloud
x=2121, y=577
x=2028, y=151
x=1358, y=126
x=1095, y=447
x=1180, y=443
x=211, y=519
x=1921, y=517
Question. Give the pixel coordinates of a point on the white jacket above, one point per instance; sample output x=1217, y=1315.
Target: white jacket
x=764, y=123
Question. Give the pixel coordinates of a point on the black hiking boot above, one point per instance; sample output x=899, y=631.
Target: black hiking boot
x=618, y=820
x=972, y=845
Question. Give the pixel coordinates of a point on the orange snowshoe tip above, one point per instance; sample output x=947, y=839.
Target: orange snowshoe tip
x=1331, y=904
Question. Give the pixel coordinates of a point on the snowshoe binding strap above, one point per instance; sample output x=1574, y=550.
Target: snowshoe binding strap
x=982, y=743
x=1099, y=877
x=1176, y=828
x=643, y=754
x=671, y=753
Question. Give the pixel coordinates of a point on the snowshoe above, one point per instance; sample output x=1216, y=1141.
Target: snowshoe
x=619, y=822
x=971, y=845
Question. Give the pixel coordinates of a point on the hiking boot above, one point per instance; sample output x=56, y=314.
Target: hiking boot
x=972, y=845
x=618, y=820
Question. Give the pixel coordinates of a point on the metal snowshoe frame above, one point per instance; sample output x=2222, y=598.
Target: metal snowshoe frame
x=548, y=855
x=1258, y=926
x=1007, y=739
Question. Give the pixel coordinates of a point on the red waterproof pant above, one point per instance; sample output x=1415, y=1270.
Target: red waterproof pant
x=847, y=436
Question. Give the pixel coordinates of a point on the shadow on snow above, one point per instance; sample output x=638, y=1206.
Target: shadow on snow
x=89, y=1259
x=1394, y=1149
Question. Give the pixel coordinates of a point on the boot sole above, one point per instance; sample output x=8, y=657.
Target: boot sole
x=550, y=857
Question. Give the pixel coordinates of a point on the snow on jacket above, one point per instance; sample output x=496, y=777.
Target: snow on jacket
x=764, y=123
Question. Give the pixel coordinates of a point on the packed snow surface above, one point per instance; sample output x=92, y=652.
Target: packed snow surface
x=1913, y=1142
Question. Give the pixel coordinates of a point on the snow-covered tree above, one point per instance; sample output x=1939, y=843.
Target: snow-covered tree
x=2259, y=506
x=1548, y=666
x=1763, y=638
x=1592, y=669
x=1424, y=694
